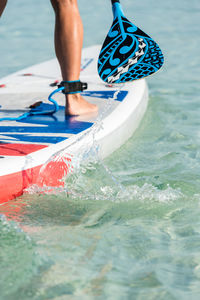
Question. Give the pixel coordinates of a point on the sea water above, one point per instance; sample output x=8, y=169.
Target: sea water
x=127, y=227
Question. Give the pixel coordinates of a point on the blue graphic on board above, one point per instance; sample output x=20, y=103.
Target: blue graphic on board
x=107, y=94
x=54, y=127
x=127, y=53
x=85, y=63
x=53, y=124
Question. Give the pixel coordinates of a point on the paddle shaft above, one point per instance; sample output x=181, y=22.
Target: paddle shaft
x=117, y=9
x=113, y=1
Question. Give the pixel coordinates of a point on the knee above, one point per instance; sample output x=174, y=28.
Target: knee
x=58, y=4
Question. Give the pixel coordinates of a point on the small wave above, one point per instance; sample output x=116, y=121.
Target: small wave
x=95, y=181
x=150, y=193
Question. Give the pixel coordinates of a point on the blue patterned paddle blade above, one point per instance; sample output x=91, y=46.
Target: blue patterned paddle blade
x=127, y=53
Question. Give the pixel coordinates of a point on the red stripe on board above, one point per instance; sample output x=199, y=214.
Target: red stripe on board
x=50, y=175
x=19, y=149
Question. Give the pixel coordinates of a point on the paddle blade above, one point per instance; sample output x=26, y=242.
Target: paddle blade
x=127, y=53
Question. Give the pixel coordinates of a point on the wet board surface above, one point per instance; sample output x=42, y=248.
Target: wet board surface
x=28, y=144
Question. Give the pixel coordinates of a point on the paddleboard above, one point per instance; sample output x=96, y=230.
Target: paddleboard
x=41, y=150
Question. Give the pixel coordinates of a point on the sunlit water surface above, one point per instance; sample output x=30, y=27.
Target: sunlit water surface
x=128, y=227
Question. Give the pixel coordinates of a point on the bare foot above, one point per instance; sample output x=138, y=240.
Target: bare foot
x=77, y=105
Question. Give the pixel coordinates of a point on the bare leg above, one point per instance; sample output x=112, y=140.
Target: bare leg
x=2, y=6
x=68, y=46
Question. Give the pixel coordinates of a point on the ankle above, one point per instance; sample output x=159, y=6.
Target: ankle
x=72, y=98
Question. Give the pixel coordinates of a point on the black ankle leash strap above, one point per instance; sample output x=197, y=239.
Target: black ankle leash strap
x=73, y=87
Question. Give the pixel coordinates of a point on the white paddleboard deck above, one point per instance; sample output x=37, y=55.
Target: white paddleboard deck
x=29, y=144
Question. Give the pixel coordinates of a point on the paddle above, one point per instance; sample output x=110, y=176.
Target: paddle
x=127, y=53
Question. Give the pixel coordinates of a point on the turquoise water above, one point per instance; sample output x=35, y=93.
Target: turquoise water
x=129, y=227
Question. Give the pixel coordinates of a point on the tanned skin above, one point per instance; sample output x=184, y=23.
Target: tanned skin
x=2, y=6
